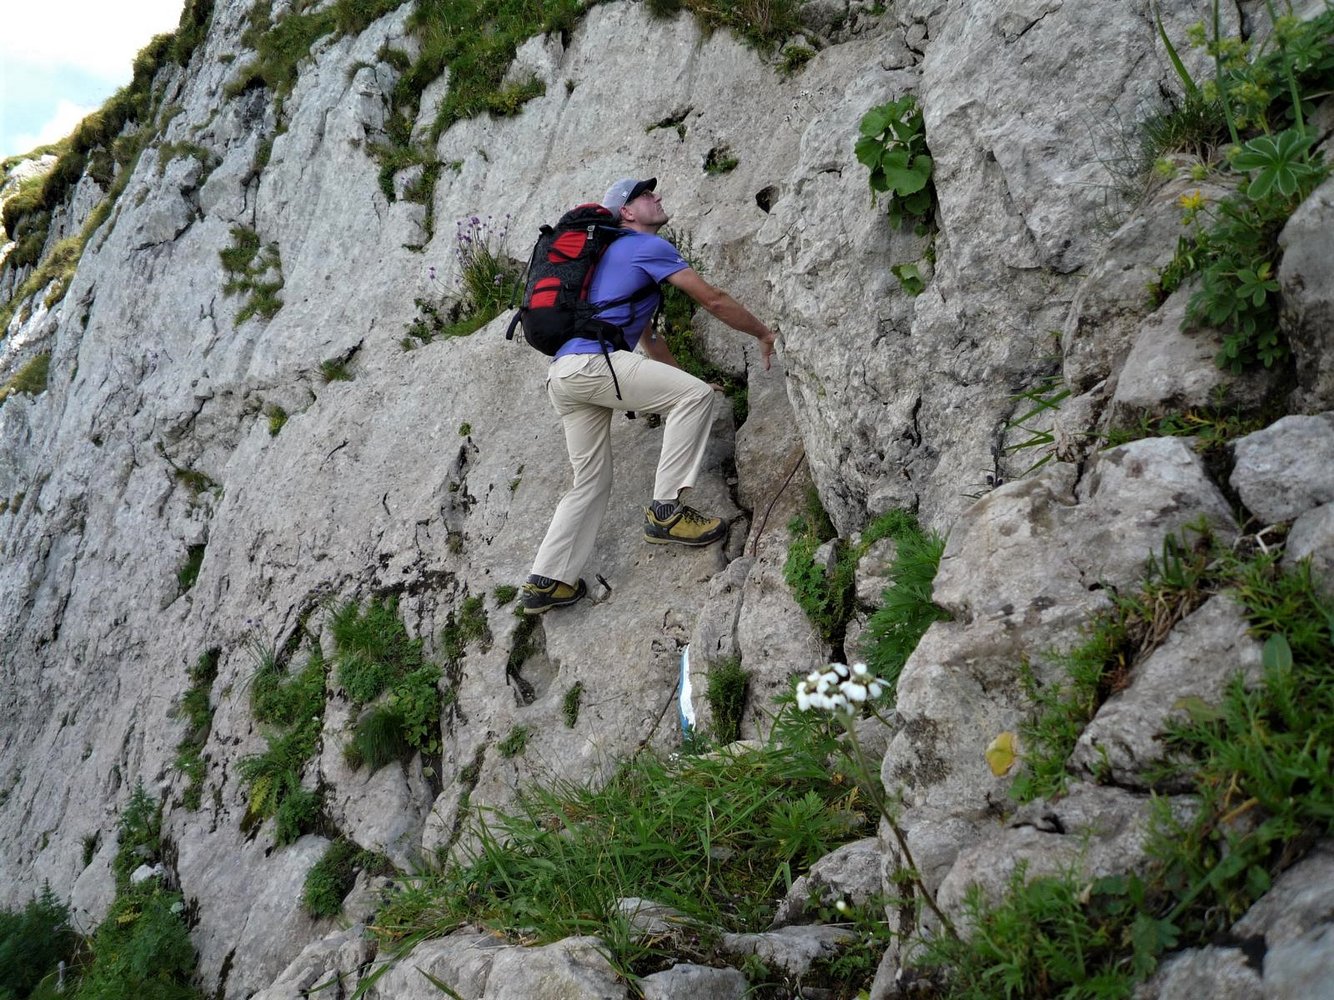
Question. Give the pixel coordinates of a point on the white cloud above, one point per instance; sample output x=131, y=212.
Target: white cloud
x=96, y=36
x=60, y=124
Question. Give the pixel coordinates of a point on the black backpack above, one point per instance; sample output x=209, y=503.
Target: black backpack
x=555, y=306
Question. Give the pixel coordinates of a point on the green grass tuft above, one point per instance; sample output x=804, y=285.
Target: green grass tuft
x=515, y=743
x=30, y=379
x=198, y=713
x=570, y=704
x=726, y=695
x=189, y=571
x=331, y=878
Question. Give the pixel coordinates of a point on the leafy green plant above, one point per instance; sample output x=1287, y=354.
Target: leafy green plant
x=374, y=654
x=1213, y=428
x=826, y=594
x=909, y=277
x=489, y=281
x=336, y=370
x=371, y=648
x=719, y=161
x=416, y=699
x=1258, y=764
x=1260, y=761
x=1237, y=254
x=763, y=24
x=1043, y=400
x=794, y=59
x=726, y=695
x=281, y=46
x=142, y=948
x=823, y=594
x=504, y=594
x=893, y=147
x=464, y=627
x=380, y=738
x=1049, y=937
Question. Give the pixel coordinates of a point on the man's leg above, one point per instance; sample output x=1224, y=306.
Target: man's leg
x=655, y=387
x=687, y=403
x=569, y=540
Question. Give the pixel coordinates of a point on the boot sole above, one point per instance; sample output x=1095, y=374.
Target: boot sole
x=547, y=607
x=684, y=541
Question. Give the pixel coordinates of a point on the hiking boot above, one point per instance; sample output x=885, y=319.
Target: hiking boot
x=542, y=593
x=684, y=525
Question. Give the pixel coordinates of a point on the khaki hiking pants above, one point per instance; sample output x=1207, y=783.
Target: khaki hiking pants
x=581, y=390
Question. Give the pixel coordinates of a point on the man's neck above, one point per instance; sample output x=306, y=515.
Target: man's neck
x=641, y=227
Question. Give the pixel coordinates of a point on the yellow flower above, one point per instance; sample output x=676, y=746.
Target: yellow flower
x=1191, y=204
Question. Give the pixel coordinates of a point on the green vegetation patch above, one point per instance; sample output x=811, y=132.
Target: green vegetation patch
x=718, y=836
x=1176, y=583
x=194, y=562
x=198, y=712
x=570, y=704
x=827, y=593
x=142, y=948
x=726, y=695
x=377, y=662
x=489, y=282
x=252, y=271
x=515, y=743
x=30, y=379
x=331, y=878
x=291, y=706
x=276, y=417
x=762, y=24
x=906, y=610
x=281, y=46
x=34, y=941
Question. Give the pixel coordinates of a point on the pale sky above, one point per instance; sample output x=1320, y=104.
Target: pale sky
x=61, y=59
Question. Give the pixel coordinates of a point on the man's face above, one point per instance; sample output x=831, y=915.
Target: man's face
x=646, y=209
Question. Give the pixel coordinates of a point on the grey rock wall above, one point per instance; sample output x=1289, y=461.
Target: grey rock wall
x=432, y=473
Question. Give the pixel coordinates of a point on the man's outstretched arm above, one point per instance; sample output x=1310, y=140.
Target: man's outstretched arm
x=726, y=308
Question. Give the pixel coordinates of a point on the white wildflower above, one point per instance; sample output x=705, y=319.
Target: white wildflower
x=839, y=688
x=853, y=691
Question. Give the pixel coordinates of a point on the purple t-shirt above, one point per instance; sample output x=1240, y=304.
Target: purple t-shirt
x=632, y=262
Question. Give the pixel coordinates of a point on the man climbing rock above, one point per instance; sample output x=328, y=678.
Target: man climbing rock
x=586, y=385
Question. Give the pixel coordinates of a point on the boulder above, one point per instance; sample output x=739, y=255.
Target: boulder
x=686, y=982
x=1287, y=468
x=1306, y=282
x=1195, y=663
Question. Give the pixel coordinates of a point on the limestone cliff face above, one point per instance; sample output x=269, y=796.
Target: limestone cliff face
x=431, y=474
